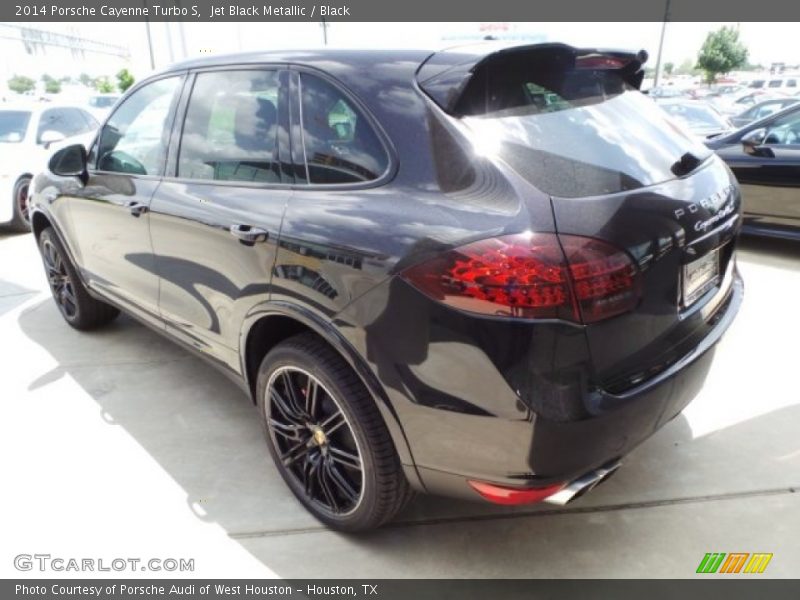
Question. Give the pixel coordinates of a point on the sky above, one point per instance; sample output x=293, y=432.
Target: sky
x=767, y=42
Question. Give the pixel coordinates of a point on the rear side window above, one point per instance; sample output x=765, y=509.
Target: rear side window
x=66, y=121
x=340, y=144
x=572, y=129
x=231, y=127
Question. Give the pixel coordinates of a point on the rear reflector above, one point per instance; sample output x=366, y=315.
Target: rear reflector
x=532, y=275
x=510, y=496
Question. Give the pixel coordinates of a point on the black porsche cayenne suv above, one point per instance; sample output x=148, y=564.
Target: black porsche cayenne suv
x=481, y=272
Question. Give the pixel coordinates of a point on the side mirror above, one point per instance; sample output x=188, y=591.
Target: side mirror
x=753, y=138
x=69, y=162
x=50, y=137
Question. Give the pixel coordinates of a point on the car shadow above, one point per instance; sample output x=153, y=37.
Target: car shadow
x=205, y=434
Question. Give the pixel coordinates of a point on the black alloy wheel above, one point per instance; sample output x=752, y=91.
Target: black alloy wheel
x=327, y=436
x=314, y=440
x=76, y=305
x=61, y=284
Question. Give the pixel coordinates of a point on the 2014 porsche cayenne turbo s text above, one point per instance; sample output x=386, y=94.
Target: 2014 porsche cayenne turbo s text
x=481, y=272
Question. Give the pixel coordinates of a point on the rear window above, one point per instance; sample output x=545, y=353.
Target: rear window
x=695, y=115
x=572, y=131
x=775, y=83
x=13, y=125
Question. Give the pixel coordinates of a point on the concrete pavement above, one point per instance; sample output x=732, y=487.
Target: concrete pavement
x=120, y=444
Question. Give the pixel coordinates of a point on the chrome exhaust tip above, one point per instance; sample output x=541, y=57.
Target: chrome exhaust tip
x=582, y=485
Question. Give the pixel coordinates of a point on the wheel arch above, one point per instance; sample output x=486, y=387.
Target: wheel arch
x=276, y=321
x=39, y=222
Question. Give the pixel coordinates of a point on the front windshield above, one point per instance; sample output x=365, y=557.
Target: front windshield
x=13, y=125
x=574, y=132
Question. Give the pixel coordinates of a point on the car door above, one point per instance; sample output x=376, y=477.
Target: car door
x=109, y=215
x=769, y=173
x=215, y=221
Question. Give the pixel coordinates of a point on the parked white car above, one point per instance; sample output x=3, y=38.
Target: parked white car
x=787, y=84
x=28, y=136
x=101, y=104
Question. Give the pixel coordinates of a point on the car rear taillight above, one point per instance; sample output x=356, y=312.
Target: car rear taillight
x=532, y=276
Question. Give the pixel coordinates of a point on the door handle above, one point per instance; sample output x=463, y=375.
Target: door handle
x=136, y=208
x=248, y=234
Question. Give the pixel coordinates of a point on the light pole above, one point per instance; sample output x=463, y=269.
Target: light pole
x=661, y=44
x=324, y=26
x=149, y=41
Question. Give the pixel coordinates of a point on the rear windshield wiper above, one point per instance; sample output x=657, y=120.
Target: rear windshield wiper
x=685, y=164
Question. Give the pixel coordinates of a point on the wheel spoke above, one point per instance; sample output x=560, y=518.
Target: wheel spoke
x=291, y=390
x=295, y=453
x=309, y=467
x=68, y=294
x=289, y=431
x=312, y=390
x=332, y=423
x=348, y=459
x=279, y=402
x=340, y=481
x=326, y=485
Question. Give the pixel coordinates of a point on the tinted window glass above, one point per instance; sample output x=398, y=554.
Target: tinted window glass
x=91, y=122
x=785, y=130
x=572, y=130
x=66, y=121
x=13, y=125
x=340, y=144
x=134, y=139
x=230, y=131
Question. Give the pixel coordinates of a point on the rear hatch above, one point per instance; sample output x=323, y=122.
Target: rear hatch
x=618, y=169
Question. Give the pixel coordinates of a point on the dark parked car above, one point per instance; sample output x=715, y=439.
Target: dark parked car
x=765, y=157
x=478, y=272
x=762, y=110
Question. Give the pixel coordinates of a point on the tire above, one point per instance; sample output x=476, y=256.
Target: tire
x=328, y=460
x=20, y=222
x=77, y=307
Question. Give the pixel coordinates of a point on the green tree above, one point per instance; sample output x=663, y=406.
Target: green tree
x=51, y=85
x=686, y=67
x=21, y=84
x=103, y=85
x=722, y=52
x=86, y=79
x=124, y=80
x=669, y=67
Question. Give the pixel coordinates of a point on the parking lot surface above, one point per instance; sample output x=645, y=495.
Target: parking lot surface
x=119, y=444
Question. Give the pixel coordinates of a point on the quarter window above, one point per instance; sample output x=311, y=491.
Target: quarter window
x=134, y=140
x=340, y=144
x=230, y=131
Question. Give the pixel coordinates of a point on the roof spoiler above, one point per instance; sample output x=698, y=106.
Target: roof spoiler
x=444, y=75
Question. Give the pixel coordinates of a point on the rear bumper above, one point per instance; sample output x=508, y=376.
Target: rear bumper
x=562, y=451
